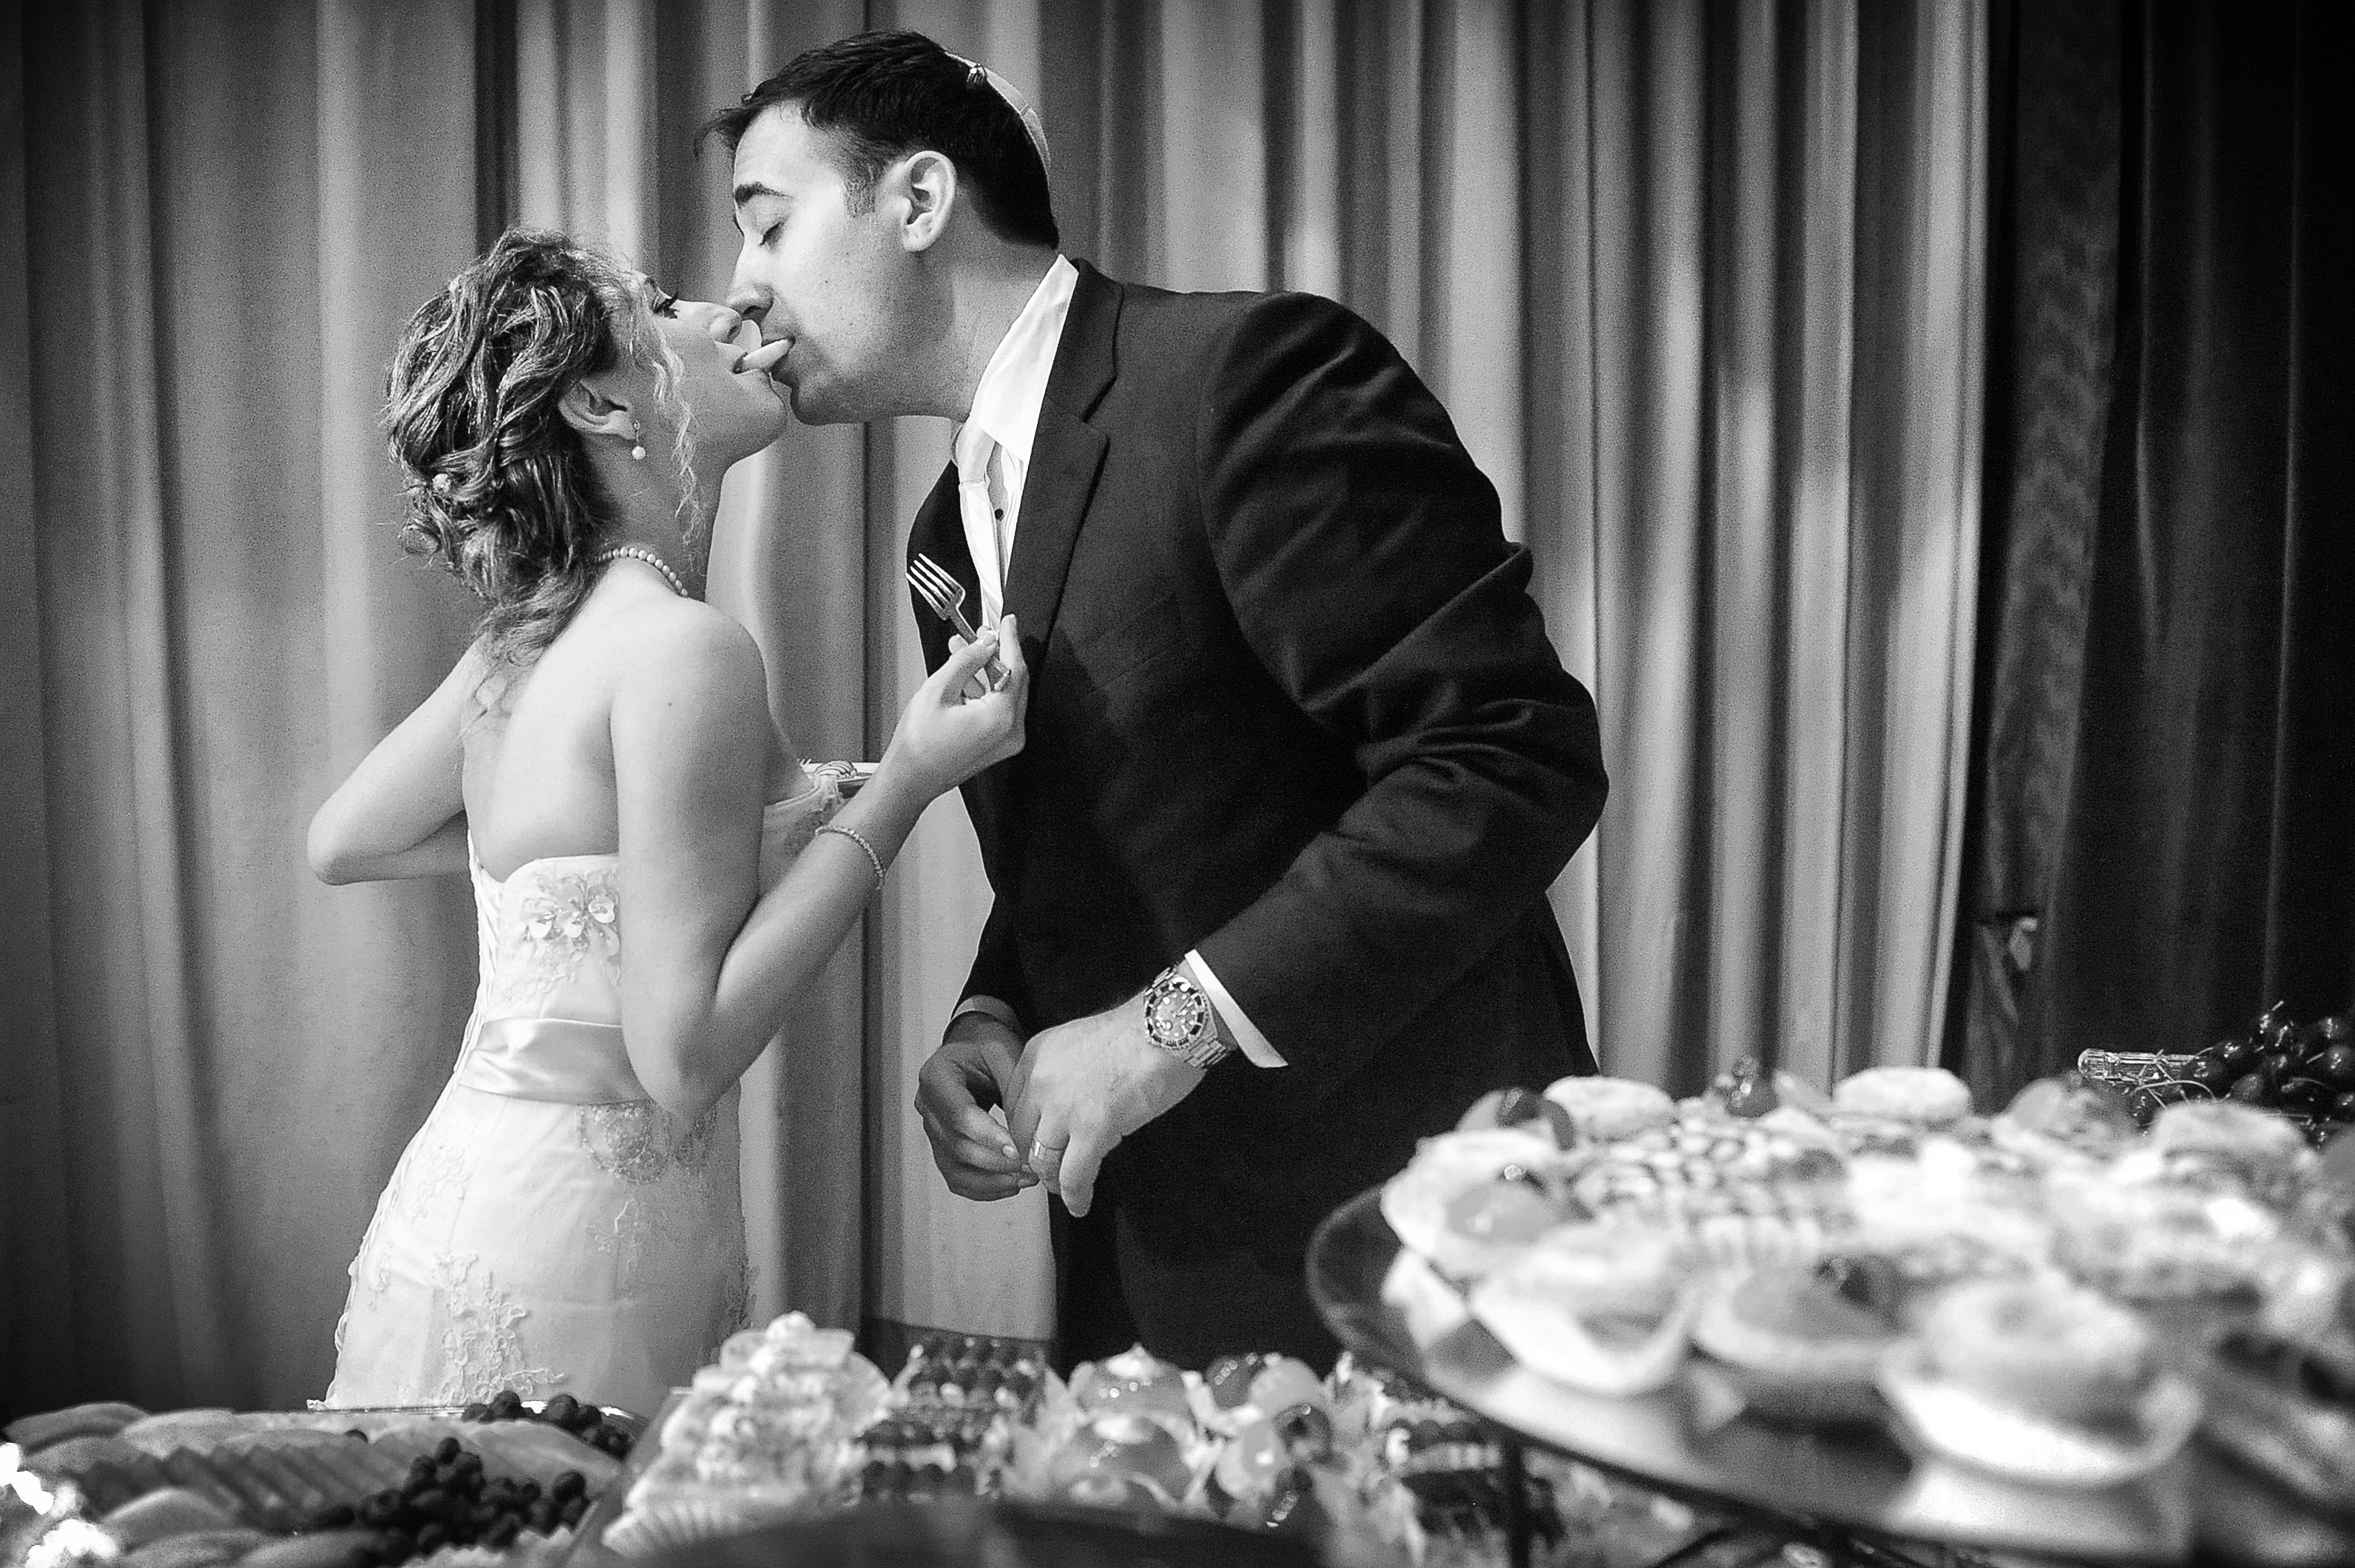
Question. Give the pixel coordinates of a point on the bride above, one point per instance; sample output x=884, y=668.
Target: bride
x=602, y=764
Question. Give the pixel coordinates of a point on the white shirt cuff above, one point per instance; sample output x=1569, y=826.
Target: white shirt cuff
x=1252, y=1043
x=990, y=1006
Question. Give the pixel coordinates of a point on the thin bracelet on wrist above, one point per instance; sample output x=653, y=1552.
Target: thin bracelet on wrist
x=860, y=839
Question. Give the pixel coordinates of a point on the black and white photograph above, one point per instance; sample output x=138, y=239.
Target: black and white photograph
x=995, y=783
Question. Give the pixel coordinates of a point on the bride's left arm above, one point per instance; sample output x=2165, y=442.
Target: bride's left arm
x=402, y=812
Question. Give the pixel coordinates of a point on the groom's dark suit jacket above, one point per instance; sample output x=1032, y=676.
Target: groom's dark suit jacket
x=1290, y=703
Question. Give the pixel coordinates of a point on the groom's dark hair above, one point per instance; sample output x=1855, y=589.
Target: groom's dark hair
x=882, y=96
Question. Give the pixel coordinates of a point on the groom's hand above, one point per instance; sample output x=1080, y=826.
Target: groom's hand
x=1085, y=1086
x=974, y=1069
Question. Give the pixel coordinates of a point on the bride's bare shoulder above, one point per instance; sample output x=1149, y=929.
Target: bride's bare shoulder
x=674, y=647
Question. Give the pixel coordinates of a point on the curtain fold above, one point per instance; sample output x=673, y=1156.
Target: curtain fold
x=2162, y=832
x=1696, y=282
x=1761, y=510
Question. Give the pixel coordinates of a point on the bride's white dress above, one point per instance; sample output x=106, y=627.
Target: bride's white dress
x=549, y=1227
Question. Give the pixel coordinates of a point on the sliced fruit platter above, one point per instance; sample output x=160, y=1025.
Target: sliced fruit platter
x=320, y=1489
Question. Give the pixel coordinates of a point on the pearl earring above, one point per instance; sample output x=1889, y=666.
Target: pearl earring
x=637, y=449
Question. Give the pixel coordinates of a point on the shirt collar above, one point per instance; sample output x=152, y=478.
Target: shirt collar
x=1014, y=387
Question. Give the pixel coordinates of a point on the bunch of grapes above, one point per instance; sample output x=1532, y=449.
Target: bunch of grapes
x=585, y=1422
x=2307, y=1070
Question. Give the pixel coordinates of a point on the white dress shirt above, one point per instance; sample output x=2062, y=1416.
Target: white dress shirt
x=992, y=451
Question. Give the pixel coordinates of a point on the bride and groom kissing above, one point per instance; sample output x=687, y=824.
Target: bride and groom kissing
x=1269, y=756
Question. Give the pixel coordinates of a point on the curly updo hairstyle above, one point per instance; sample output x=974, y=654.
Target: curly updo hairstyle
x=500, y=488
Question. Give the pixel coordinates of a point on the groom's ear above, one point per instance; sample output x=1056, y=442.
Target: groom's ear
x=928, y=182
x=590, y=406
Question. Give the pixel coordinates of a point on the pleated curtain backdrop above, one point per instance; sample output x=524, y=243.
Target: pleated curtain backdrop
x=1699, y=284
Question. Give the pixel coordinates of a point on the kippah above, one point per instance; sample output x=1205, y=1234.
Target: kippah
x=976, y=74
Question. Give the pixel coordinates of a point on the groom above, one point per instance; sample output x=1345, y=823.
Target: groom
x=1270, y=875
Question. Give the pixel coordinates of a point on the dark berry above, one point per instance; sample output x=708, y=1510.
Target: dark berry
x=431, y=1539
x=543, y=1516
x=563, y=1409
x=446, y=1450
x=2306, y=1097
x=571, y=1512
x=529, y=1492
x=568, y=1485
x=2214, y=1073
x=477, y=1411
x=2335, y=1065
x=393, y=1546
x=335, y=1516
x=2240, y=1055
x=2252, y=1088
x=503, y=1532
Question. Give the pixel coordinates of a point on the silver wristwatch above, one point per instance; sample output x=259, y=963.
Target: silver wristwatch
x=1179, y=1019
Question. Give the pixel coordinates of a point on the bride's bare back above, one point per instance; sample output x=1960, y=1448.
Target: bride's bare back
x=538, y=775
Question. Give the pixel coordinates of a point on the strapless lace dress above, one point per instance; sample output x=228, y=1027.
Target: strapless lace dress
x=550, y=1228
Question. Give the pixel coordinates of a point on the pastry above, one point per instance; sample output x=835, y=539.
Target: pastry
x=2071, y=1115
x=2040, y=1382
x=1114, y=1454
x=2225, y=1145
x=1138, y=1381
x=1737, y=1192
x=1599, y=1307
x=762, y=1435
x=1922, y=1096
x=1805, y=1344
x=1603, y=1109
x=2053, y=1352
x=1468, y=1201
x=1523, y=1108
x=2158, y=1241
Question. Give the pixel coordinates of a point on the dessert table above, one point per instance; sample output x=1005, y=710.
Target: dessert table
x=971, y=1534
x=1694, y=1440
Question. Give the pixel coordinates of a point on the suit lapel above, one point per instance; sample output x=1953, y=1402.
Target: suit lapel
x=1066, y=456
x=939, y=532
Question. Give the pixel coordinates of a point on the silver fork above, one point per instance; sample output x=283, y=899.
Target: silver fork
x=945, y=594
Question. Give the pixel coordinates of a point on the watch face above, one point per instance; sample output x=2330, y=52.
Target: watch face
x=1175, y=1013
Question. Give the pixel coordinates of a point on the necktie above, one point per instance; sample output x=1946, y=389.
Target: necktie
x=979, y=508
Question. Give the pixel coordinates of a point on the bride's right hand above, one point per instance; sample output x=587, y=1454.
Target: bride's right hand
x=945, y=737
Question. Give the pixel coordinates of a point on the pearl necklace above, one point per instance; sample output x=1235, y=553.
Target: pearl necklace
x=640, y=552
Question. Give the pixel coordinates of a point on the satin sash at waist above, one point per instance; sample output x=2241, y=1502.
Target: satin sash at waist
x=562, y=1060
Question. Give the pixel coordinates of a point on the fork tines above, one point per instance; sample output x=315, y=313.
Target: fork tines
x=945, y=594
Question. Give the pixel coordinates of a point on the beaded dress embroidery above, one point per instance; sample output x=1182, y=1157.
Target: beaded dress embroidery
x=578, y=1242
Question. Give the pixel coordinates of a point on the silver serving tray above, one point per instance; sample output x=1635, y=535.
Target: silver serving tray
x=628, y=1421
x=1688, y=1440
